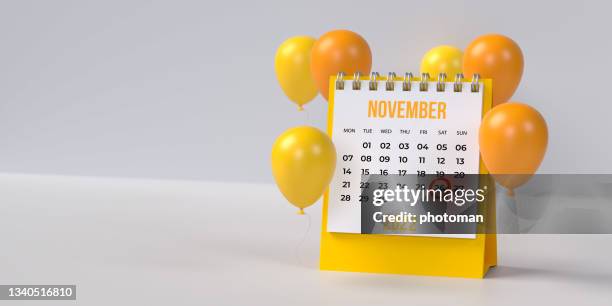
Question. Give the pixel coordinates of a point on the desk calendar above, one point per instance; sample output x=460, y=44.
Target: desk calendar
x=398, y=126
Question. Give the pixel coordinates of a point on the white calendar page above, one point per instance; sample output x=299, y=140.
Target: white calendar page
x=369, y=143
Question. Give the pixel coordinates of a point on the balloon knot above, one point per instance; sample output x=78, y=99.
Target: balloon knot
x=510, y=192
x=301, y=211
x=300, y=108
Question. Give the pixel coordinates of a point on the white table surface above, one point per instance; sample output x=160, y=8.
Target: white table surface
x=145, y=242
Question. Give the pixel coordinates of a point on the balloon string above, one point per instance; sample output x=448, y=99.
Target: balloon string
x=307, y=116
x=299, y=245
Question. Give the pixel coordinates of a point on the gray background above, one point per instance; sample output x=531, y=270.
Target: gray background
x=159, y=243
x=178, y=89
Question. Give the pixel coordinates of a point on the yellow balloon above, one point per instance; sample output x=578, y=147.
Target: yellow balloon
x=303, y=163
x=292, y=66
x=447, y=59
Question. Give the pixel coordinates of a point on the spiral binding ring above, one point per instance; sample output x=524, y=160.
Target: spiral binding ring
x=340, y=81
x=423, y=86
x=407, y=84
x=475, y=82
x=441, y=85
x=357, y=81
x=374, y=81
x=458, y=86
x=390, y=84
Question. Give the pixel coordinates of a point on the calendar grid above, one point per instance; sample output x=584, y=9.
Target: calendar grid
x=372, y=138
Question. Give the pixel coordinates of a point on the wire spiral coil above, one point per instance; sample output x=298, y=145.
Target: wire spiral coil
x=407, y=81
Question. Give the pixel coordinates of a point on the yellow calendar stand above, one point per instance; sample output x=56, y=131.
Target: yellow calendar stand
x=414, y=255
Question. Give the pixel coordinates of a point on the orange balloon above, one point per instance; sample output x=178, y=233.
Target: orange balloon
x=339, y=51
x=495, y=57
x=513, y=139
